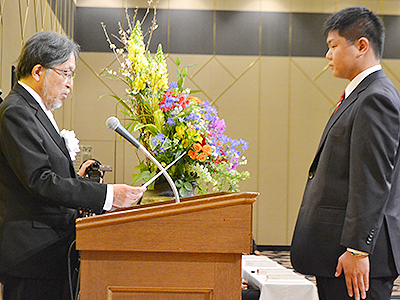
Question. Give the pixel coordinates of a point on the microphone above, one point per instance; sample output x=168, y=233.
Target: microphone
x=114, y=124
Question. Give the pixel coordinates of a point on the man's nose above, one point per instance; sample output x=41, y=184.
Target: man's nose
x=328, y=54
x=69, y=82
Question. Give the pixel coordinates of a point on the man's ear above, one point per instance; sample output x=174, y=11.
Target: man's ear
x=37, y=72
x=363, y=45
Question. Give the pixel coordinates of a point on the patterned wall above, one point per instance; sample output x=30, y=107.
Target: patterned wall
x=20, y=19
x=277, y=93
x=278, y=101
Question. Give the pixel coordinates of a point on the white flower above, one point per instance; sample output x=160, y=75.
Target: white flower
x=71, y=142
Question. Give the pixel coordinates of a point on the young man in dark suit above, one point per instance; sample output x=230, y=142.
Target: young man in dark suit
x=40, y=192
x=348, y=228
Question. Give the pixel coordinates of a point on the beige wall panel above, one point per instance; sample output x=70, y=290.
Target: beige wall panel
x=120, y=155
x=213, y=79
x=276, y=5
x=189, y=59
x=12, y=43
x=313, y=6
x=389, y=7
x=164, y=4
x=184, y=4
x=239, y=107
x=199, y=61
x=392, y=70
x=89, y=112
x=127, y=160
x=15, y=30
x=248, y=5
x=237, y=66
x=112, y=3
x=271, y=206
x=316, y=71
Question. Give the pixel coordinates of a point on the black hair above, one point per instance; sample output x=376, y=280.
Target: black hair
x=356, y=22
x=46, y=48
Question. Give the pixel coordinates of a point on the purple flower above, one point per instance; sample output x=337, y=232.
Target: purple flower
x=245, y=145
x=190, y=117
x=158, y=139
x=218, y=126
x=171, y=121
x=172, y=86
x=169, y=102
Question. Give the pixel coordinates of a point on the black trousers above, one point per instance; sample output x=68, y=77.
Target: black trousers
x=16, y=288
x=250, y=294
x=332, y=288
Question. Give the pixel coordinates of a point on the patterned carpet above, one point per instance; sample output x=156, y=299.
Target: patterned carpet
x=283, y=257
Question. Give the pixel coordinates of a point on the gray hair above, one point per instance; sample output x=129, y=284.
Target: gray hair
x=46, y=48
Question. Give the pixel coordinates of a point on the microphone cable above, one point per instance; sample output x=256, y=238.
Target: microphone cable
x=70, y=273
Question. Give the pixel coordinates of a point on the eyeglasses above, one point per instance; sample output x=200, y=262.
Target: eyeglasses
x=67, y=74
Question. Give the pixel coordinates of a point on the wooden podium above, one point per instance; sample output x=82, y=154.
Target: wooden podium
x=182, y=251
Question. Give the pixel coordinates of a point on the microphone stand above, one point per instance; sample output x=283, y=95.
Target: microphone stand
x=114, y=124
x=165, y=173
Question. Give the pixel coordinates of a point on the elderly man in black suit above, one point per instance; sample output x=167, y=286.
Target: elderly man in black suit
x=348, y=227
x=40, y=192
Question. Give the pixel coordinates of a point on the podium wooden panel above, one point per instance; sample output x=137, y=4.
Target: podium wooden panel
x=189, y=250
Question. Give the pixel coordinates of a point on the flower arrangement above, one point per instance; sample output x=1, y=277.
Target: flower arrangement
x=170, y=120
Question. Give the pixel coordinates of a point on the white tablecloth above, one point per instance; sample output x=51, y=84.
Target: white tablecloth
x=275, y=281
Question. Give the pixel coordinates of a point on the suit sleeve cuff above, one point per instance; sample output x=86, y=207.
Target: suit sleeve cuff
x=109, y=197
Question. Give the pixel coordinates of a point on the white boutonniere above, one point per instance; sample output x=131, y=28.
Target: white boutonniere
x=71, y=142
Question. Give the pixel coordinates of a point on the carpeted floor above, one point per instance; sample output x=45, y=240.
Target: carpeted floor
x=283, y=257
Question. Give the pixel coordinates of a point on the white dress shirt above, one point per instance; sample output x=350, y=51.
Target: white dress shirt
x=360, y=77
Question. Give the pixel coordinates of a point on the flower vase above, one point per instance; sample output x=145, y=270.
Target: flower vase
x=163, y=192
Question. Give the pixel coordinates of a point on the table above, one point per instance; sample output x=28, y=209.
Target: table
x=275, y=281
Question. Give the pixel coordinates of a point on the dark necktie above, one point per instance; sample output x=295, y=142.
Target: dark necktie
x=340, y=102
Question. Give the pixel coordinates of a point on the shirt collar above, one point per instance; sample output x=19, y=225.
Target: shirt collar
x=34, y=95
x=39, y=100
x=360, y=77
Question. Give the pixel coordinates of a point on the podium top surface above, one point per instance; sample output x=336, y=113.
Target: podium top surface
x=167, y=208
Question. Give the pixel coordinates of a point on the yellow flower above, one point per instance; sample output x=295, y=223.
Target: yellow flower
x=139, y=84
x=194, y=135
x=180, y=131
x=185, y=143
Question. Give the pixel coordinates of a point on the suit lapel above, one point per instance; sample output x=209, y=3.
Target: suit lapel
x=42, y=117
x=342, y=108
x=348, y=102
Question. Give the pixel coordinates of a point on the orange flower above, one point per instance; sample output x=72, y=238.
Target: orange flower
x=193, y=155
x=207, y=149
x=198, y=100
x=202, y=157
x=197, y=147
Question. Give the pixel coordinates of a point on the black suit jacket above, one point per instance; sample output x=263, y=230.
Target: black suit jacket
x=352, y=197
x=40, y=191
